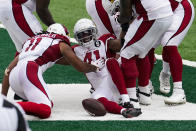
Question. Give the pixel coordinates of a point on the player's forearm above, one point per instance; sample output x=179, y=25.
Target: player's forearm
x=5, y=82
x=86, y=68
x=125, y=11
x=45, y=17
x=5, y=85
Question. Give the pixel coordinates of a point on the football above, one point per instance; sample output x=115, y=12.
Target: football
x=94, y=107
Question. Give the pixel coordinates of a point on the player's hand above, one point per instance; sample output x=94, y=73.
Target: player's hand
x=99, y=63
x=116, y=17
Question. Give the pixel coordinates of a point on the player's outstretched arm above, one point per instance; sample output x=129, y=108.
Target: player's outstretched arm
x=5, y=82
x=62, y=61
x=73, y=60
x=43, y=12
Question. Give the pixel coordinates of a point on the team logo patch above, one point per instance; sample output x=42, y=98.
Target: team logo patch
x=97, y=43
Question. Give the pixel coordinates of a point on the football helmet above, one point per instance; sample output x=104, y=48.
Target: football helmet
x=58, y=29
x=85, y=32
x=111, y=6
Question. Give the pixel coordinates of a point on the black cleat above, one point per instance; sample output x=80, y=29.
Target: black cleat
x=131, y=112
x=127, y=105
x=16, y=97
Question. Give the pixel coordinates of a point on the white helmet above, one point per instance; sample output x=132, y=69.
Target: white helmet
x=85, y=32
x=58, y=29
x=111, y=6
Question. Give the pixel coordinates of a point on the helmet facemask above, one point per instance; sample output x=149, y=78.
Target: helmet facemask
x=85, y=32
x=86, y=37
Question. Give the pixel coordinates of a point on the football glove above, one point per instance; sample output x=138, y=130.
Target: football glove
x=99, y=63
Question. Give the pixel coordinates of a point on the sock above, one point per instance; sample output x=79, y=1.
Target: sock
x=143, y=66
x=143, y=89
x=130, y=71
x=166, y=68
x=177, y=84
x=151, y=57
x=125, y=98
x=110, y=106
x=41, y=110
x=172, y=56
x=132, y=92
x=117, y=75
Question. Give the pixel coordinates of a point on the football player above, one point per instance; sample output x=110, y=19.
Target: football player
x=140, y=34
x=104, y=14
x=24, y=74
x=172, y=62
x=12, y=118
x=20, y=22
x=105, y=20
x=109, y=82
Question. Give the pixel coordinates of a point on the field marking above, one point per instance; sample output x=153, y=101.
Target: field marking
x=67, y=106
x=1, y=26
x=159, y=57
x=185, y=62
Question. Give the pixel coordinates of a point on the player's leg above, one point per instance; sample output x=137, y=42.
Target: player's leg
x=144, y=93
x=118, y=79
x=130, y=73
x=139, y=39
x=35, y=91
x=104, y=22
x=183, y=16
x=105, y=93
x=108, y=94
x=20, y=23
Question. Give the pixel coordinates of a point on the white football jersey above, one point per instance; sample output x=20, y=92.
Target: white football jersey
x=105, y=23
x=153, y=9
x=30, y=4
x=43, y=49
x=99, y=50
x=11, y=117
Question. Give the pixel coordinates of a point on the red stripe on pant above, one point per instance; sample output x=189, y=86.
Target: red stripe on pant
x=103, y=16
x=32, y=75
x=141, y=31
x=20, y=19
x=187, y=17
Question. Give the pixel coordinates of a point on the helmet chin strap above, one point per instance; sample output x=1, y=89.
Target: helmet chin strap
x=90, y=45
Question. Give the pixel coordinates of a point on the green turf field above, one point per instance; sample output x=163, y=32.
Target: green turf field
x=66, y=12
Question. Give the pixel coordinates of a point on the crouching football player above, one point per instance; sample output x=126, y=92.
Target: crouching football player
x=39, y=53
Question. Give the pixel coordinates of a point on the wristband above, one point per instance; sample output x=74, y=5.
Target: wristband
x=7, y=71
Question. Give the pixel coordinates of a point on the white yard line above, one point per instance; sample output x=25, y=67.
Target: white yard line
x=67, y=106
x=185, y=62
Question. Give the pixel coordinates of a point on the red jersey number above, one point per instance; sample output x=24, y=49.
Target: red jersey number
x=33, y=44
x=88, y=57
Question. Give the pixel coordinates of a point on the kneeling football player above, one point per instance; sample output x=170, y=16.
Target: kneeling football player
x=39, y=53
